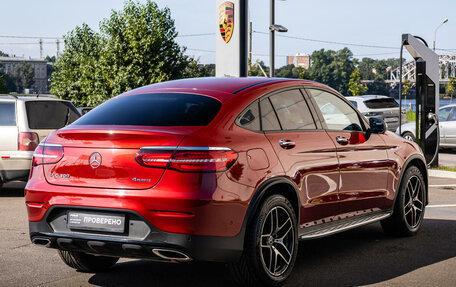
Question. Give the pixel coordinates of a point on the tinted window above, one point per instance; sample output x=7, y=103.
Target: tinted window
x=444, y=113
x=7, y=114
x=354, y=103
x=292, y=111
x=337, y=114
x=250, y=117
x=382, y=103
x=161, y=109
x=50, y=114
x=268, y=117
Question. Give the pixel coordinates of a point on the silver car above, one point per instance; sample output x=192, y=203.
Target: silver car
x=374, y=106
x=447, y=119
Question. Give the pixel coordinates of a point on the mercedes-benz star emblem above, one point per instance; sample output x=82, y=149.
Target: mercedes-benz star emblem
x=95, y=160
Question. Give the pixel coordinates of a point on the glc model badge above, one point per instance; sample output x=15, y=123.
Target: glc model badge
x=95, y=160
x=226, y=20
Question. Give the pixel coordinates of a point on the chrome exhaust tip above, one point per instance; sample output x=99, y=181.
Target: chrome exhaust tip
x=171, y=255
x=43, y=242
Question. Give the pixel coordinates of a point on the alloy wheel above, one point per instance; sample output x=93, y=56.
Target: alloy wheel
x=413, y=207
x=277, y=241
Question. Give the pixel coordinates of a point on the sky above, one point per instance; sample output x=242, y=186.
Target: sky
x=365, y=22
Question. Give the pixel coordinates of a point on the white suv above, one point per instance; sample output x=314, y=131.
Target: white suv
x=24, y=122
x=383, y=107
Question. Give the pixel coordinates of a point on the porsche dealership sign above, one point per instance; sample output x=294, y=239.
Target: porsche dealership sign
x=231, y=38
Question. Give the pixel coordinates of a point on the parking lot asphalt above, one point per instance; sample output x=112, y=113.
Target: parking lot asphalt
x=360, y=257
x=447, y=157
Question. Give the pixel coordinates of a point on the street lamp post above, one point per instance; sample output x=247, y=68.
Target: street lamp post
x=272, y=28
x=272, y=40
x=435, y=32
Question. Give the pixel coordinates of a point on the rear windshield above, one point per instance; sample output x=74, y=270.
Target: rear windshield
x=161, y=109
x=43, y=115
x=7, y=114
x=382, y=103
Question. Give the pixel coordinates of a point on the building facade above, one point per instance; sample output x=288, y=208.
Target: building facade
x=39, y=65
x=303, y=61
x=300, y=60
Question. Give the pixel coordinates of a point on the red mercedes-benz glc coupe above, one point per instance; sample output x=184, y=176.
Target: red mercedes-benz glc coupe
x=227, y=170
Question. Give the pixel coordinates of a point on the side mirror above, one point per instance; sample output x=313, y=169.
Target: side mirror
x=377, y=126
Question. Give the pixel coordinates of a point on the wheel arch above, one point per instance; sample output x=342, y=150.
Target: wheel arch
x=419, y=162
x=279, y=185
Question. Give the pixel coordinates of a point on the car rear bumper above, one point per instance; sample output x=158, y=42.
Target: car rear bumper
x=15, y=165
x=143, y=241
x=10, y=175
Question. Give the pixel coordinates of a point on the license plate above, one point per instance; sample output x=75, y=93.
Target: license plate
x=96, y=221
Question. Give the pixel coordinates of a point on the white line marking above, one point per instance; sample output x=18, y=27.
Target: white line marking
x=443, y=185
x=442, y=205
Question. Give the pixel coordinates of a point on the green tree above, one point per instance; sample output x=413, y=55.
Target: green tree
x=356, y=88
x=451, y=87
x=258, y=68
x=3, y=79
x=332, y=68
x=289, y=71
x=135, y=47
x=407, y=85
x=3, y=54
x=22, y=77
x=366, y=68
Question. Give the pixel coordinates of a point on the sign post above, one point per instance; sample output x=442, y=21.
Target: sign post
x=427, y=97
x=231, y=38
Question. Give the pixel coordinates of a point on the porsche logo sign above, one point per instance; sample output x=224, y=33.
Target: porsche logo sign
x=226, y=20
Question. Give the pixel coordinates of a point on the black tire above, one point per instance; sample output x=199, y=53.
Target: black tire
x=87, y=263
x=408, y=212
x=262, y=240
x=408, y=136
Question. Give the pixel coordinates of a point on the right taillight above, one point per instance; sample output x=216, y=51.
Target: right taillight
x=188, y=160
x=47, y=154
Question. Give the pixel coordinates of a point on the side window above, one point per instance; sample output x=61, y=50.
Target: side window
x=337, y=114
x=7, y=114
x=354, y=103
x=444, y=113
x=268, y=116
x=250, y=117
x=292, y=110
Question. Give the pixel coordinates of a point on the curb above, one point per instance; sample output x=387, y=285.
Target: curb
x=442, y=173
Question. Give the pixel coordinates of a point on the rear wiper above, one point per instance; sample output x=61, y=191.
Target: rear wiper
x=67, y=118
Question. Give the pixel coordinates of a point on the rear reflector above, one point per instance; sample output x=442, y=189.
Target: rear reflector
x=188, y=160
x=35, y=204
x=28, y=141
x=47, y=154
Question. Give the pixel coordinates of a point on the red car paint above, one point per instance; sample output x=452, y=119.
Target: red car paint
x=331, y=179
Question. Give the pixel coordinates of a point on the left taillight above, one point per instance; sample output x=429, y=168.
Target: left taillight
x=47, y=154
x=27, y=141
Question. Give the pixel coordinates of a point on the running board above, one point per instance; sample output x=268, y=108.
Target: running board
x=334, y=227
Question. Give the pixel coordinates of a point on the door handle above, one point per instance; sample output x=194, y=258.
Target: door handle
x=287, y=144
x=342, y=140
